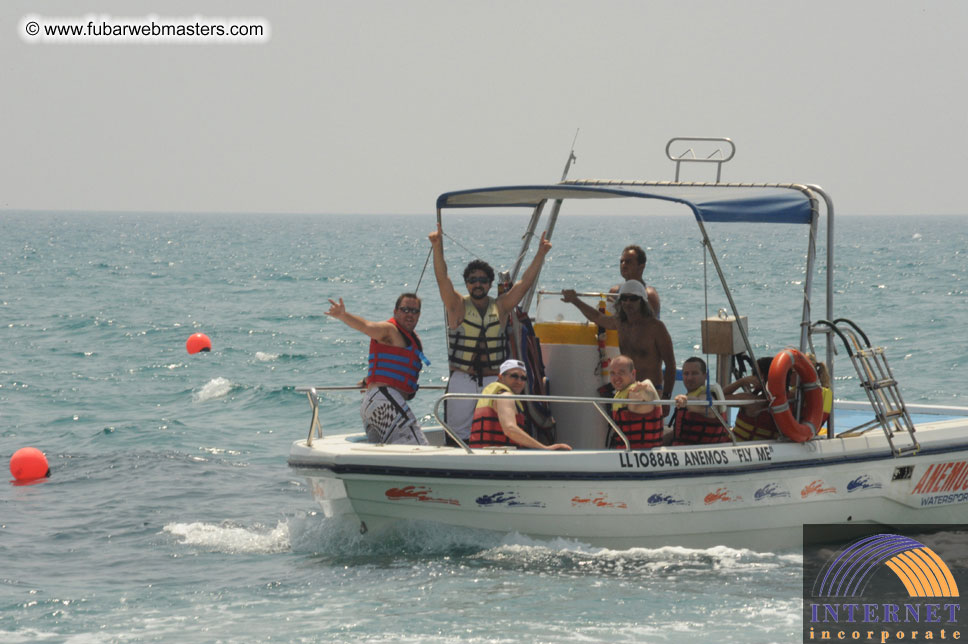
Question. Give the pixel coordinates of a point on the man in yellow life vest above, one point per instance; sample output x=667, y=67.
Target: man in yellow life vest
x=641, y=423
x=499, y=423
x=475, y=327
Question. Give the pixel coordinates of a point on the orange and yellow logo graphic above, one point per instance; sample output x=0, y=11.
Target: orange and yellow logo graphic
x=922, y=572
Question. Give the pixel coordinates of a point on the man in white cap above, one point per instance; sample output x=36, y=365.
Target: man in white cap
x=499, y=423
x=641, y=336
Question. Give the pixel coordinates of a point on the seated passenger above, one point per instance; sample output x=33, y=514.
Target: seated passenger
x=753, y=422
x=498, y=423
x=641, y=424
x=696, y=425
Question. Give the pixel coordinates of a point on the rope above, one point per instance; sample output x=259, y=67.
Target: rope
x=430, y=252
x=426, y=261
x=472, y=253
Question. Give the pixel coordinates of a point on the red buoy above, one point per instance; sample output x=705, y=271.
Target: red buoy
x=198, y=342
x=29, y=463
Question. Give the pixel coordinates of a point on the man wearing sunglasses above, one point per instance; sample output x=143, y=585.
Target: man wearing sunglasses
x=475, y=327
x=641, y=336
x=396, y=357
x=499, y=423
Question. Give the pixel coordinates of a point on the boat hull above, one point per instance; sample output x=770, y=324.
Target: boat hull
x=758, y=495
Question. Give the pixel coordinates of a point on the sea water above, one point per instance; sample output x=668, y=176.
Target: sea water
x=171, y=514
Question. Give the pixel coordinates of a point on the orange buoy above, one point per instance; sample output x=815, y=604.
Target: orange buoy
x=198, y=342
x=29, y=463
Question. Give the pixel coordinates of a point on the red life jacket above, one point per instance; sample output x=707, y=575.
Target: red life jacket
x=486, y=426
x=693, y=428
x=760, y=427
x=644, y=431
x=395, y=366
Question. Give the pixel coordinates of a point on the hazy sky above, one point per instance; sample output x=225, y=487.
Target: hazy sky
x=378, y=107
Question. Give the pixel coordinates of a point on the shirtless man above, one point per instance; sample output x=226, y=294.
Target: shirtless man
x=641, y=336
x=631, y=265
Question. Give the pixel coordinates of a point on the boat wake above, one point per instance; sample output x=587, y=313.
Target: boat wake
x=562, y=557
x=231, y=538
x=339, y=537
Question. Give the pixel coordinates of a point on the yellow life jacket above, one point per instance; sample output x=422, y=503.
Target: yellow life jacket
x=621, y=395
x=476, y=346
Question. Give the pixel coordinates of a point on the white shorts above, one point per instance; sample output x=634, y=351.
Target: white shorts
x=387, y=418
x=459, y=413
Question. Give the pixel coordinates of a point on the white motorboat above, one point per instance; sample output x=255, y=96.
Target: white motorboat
x=880, y=461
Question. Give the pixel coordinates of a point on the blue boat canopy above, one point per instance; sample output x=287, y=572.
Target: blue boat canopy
x=722, y=202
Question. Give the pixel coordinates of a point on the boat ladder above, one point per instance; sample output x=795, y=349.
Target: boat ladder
x=877, y=380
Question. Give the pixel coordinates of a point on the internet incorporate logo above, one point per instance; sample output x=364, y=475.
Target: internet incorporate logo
x=917, y=567
x=853, y=597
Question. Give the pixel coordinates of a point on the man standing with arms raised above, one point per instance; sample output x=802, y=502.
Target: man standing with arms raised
x=475, y=327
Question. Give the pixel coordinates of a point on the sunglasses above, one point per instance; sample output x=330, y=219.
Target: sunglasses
x=629, y=298
x=478, y=280
x=409, y=309
x=516, y=376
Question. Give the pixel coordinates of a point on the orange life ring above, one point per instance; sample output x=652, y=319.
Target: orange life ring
x=783, y=362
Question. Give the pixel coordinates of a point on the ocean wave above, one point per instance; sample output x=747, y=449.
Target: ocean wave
x=31, y=635
x=232, y=538
x=214, y=388
x=262, y=356
x=340, y=537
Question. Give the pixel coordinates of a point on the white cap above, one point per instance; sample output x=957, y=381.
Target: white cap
x=507, y=365
x=633, y=287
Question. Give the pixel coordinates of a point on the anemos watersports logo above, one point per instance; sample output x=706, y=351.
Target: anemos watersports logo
x=881, y=587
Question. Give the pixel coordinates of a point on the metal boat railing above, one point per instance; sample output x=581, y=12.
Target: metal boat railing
x=717, y=156
x=595, y=402
x=878, y=382
x=313, y=395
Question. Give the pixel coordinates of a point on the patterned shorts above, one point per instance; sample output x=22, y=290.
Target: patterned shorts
x=388, y=419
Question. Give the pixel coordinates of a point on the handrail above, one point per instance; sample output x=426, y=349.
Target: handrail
x=682, y=157
x=313, y=395
x=302, y=390
x=314, y=423
x=595, y=402
x=584, y=294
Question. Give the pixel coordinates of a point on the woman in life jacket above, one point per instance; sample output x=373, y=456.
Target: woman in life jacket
x=395, y=360
x=499, y=423
x=695, y=425
x=641, y=423
x=753, y=422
